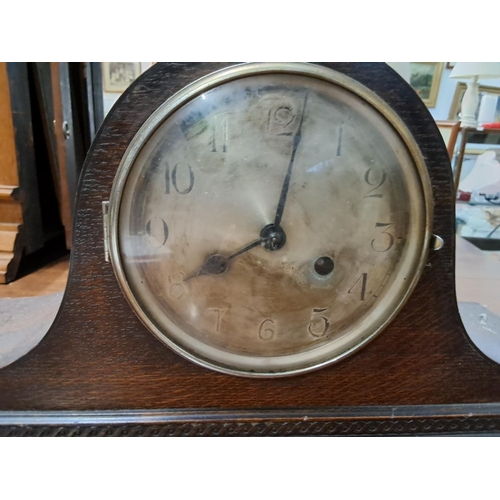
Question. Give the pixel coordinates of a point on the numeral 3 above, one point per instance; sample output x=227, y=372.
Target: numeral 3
x=386, y=241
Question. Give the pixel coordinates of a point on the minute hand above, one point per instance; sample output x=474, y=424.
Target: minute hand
x=286, y=184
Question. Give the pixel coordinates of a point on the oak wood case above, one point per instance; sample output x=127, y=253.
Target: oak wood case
x=98, y=356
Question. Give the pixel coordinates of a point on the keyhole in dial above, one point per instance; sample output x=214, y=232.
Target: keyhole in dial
x=324, y=266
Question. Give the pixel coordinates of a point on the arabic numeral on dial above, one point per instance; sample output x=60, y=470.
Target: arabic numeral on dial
x=339, y=142
x=385, y=240
x=267, y=329
x=157, y=230
x=360, y=284
x=374, y=177
x=186, y=172
x=219, y=313
x=319, y=324
x=280, y=119
x=218, y=142
x=176, y=287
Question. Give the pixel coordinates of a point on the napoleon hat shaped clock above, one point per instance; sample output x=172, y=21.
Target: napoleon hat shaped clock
x=254, y=254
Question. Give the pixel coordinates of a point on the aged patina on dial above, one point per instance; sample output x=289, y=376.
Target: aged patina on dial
x=270, y=219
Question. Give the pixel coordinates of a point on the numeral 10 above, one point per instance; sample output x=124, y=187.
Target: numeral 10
x=171, y=180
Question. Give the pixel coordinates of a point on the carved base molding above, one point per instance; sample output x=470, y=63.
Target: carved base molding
x=474, y=419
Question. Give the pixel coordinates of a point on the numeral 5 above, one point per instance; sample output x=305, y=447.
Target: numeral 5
x=319, y=324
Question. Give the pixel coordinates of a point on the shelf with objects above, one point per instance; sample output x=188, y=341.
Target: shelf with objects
x=477, y=187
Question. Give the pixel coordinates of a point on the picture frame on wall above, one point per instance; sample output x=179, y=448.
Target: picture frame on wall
x=117, y=76
x=459, y=95
x=425, y=78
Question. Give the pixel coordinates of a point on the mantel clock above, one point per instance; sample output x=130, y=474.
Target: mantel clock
x=260, y=248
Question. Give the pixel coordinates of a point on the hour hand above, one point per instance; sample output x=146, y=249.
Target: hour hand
x=215, y=264
x=218, y=264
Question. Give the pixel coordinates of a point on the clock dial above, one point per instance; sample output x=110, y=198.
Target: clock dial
x=269, y=223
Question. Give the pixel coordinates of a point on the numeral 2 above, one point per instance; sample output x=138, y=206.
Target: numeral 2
x=376, y=182
x=173, y=179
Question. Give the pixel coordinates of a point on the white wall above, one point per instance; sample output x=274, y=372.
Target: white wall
x=446, y=88
x=439, y=112
x=447, y=91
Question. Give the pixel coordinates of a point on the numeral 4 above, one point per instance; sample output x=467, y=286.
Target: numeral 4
x=362, y=285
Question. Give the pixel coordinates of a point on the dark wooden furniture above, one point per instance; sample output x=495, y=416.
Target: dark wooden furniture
x=49, y=114
x=21, y=229
x=69, y=98
x=100, y=372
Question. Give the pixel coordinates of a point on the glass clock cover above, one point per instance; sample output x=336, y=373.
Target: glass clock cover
x=270, y=219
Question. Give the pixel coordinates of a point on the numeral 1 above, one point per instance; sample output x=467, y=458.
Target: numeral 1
x=339, y=143
x=219, y=137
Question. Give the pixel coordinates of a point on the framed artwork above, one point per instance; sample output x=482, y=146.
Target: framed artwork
x=425, y=78
x=117, y=76
x=459, y=94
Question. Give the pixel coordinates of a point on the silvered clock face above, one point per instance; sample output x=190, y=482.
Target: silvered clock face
x=269, y=220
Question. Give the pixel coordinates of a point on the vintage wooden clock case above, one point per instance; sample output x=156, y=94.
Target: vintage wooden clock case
x=100, y=371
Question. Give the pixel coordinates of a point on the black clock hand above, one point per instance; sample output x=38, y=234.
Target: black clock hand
x=286, y=184
x=272, y=236
x=217, y=264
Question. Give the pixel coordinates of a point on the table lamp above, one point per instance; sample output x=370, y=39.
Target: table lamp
x=474, y=71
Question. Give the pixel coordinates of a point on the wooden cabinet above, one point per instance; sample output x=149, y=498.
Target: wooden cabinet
x=49, y=114
x=21, y=229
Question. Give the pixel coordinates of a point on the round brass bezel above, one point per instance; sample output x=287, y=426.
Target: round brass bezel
x=223, y=76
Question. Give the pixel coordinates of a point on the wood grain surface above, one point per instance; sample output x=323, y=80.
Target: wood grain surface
x=98, y=356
